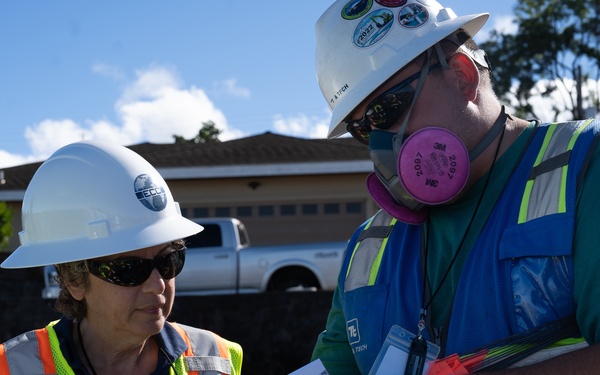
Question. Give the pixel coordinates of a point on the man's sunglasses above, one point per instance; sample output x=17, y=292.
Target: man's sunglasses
x=386, y=109
x=135, y=271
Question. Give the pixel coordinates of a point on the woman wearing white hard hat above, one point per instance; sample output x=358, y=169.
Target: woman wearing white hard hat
x=106, y=218
x=485, y=247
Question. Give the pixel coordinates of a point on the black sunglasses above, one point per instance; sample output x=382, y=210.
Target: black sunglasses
x=135, y=271
x=385, y=110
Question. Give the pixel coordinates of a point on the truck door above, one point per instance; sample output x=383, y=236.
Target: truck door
x=209, y=266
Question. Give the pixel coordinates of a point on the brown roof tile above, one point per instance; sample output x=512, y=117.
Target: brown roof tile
x=266, y=148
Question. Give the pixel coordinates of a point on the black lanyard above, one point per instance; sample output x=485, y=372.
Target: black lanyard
x=418, y=349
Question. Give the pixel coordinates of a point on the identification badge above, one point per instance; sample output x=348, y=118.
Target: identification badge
x=403, y=350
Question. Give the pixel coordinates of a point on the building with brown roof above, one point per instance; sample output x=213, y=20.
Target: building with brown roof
x=284, y=189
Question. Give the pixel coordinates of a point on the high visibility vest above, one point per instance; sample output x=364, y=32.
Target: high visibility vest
x=527, y=239
x=38, y=352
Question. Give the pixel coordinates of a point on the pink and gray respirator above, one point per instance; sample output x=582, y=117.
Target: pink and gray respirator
x=428, y=168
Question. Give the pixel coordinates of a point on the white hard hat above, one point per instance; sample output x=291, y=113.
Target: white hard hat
x=362, y=43
x=92, y=199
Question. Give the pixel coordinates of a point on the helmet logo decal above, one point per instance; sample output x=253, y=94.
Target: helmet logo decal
x=153, y=197
x=413, y=15
x=356, y=8
x=391, y=3
x=373, y=27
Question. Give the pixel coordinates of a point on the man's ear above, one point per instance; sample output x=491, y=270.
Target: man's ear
x=467, y=75
x=76, y=291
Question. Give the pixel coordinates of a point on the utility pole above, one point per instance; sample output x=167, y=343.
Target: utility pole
x=578, y=113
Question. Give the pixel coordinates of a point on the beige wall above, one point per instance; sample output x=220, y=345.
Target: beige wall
x=322, y=191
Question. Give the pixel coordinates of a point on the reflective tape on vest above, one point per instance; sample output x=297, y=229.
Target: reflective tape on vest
x=222, y=365
x=366, y=256
x=546, y=189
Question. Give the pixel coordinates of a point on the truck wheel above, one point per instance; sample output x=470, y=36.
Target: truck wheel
x=294, y=279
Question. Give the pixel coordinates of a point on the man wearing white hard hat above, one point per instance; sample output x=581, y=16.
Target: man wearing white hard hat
x=106, y=218
x=484, y=253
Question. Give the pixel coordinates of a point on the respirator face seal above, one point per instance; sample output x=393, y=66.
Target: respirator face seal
x=428, y=168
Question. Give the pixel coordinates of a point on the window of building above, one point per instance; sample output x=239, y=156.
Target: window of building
x=353, y=208
x=309, y=209
x=331, y=208
x=200, y=212
x=266, y=210
x=244, y=211
x=287, y=210
x=222, y=211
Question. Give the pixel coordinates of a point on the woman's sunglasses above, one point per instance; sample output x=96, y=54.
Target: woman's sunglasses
x=386, y=109
x=135, y=271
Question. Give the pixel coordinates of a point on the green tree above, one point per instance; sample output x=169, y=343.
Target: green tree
x=5, y=226
x=557, y=43
x=207, y=134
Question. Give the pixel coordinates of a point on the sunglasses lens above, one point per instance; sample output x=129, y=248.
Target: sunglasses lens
x=124, y=272
x=359, y=131
x=171, y=264
x=135, y=271
x=384, y=111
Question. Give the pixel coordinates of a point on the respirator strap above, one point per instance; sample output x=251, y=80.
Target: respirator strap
x=490, y=136
x=424, y=72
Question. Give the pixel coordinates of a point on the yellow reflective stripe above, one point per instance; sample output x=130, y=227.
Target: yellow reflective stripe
x=562, y=199
x=525, y=202
x=356, y=247
x=518, y=348
x=529, y=185
x=178, y=366
x=567, y=342
x=377, y=262
x=562, y=203
x=62, y=366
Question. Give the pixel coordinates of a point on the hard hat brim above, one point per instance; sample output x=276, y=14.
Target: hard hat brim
x=64, y=251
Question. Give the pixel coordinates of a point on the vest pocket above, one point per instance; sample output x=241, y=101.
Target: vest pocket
x=364, y=309
x=539, y=258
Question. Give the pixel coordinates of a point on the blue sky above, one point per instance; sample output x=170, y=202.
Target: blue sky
x=141, y=71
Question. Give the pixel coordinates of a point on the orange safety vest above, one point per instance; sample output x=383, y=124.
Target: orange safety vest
x=31, y=353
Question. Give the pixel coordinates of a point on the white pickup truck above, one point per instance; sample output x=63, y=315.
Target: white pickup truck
x=220, y=260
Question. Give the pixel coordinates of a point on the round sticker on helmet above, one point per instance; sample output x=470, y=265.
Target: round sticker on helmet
x=149, y=194
x=373, y=27
x=413, y=15
x=356, y=8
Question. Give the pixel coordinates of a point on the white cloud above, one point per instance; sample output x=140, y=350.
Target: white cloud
x=49, y=135
x=230, y=87
x=10, y=160
x=109, y=71
x=503, y=24
x=546, y=107
x=302, y=126
x=152, y=108
x=150, y=83
x=506, y=24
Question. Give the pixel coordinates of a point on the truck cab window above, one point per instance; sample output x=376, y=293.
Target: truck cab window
x=209, y=237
